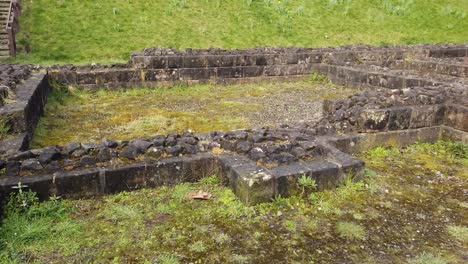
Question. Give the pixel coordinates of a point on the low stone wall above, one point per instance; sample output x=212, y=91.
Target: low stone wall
x=22, y=114
x=158, y=66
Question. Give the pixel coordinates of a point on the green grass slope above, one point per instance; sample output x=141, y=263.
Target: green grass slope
x=62, y=31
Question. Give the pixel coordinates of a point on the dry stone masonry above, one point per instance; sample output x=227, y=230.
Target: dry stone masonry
x=408, y=94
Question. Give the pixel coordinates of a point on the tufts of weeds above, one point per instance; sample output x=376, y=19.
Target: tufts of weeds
x=198, y=247
x=454, y=12
x=318, y=78
x=307, y=184
x=168, y=259
x=458, y=232
x=4, y=128
x=398, y=7
x=428, y=258
x=350, y=230
x=27, y=222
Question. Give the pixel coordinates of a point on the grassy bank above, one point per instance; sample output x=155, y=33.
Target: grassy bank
x=76, y=31
x=411, y=208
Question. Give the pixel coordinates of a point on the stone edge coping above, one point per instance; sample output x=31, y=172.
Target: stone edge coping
x=251, y=183
x=242, y=174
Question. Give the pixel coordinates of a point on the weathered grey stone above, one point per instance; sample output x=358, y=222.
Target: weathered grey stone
x=131, y=152
x=72, y=147
x=89, y=146
x=399, y=118
x=22, y=156
x=257, y=154
x=31, y=164
x=159, y=141
x=175, y=150
x=284, y=157
x=243, y=146
x=49, y=155
x=373, y=120
x=298, y=152
x=142, y=145
x=104, y=154
x=79, y=152
x=87, y=160
x=12, y=168
x=53, y=166
x=109, y=143
x=154, y=152
x=69, y=163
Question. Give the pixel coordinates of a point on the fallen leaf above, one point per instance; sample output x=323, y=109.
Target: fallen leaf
x=200, y=195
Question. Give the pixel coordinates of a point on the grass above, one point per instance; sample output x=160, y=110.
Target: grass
x=411, y=215
x=147, y=112
x=76, y=31
x=4, y=129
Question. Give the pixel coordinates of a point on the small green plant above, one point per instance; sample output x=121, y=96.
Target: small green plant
x=318, y=78
x=307, y=184
x=4, y=128
x=222, y=238
x=428, y=258
x=240, y=259
x=290, y=225
x=381, y=152
x=21, y=201
x=459, y=232
x=198, y=247
x=350, y=230
x=167, y=259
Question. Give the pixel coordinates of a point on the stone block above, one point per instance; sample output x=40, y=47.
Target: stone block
x=286, y=178
x=456, y=116
x=197, y=73
x=252, y=71
x=76, y=184
x=229, y=72
x=399, y=118
x=161, y=75
x=373, y=120
x=326, y=174
x=165, y=172
x=252, y=184
x=198, y=166
x=427, y=116
x=155, y=62
x=175, y=62
x=86, y=77
x=195, y=61
x=395, y=82
x=126, y=178
x=245, y=60
x=221, y=61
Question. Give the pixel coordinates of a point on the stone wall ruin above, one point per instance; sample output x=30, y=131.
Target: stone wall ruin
x=409, y=94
